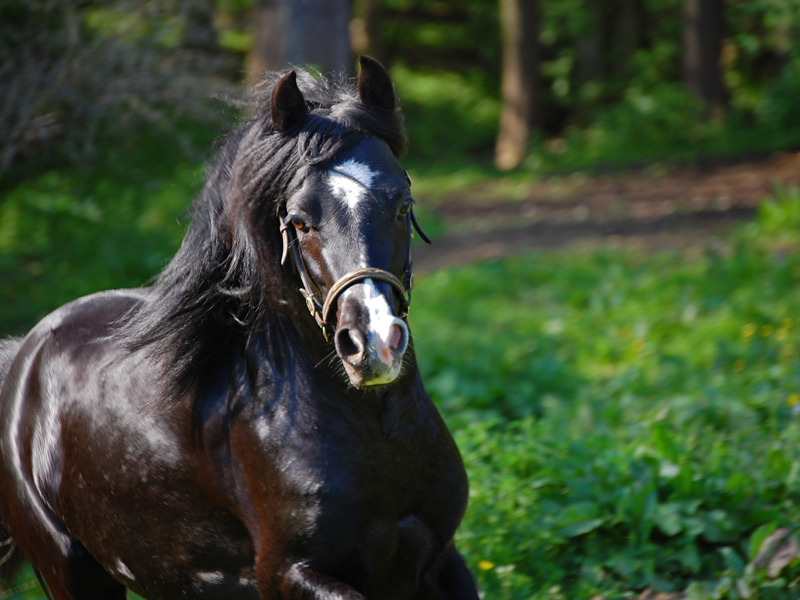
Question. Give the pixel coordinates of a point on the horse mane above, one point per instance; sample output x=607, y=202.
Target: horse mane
x=226, y=282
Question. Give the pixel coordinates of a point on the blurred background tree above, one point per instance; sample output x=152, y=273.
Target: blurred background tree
x=521, y=81
x=310, y=32
x=703, y=24
x=71, y=71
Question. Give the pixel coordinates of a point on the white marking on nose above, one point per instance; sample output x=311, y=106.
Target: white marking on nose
x=350, y=181
x=382, y=335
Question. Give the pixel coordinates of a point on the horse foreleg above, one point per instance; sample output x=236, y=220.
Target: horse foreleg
x=69, y=570
x=449, y=578
x=302, y=583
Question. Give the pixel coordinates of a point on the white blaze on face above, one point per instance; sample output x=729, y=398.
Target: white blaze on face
x=385, y=331
x=350, y=181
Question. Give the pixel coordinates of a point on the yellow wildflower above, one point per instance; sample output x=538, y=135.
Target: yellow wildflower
x=793, y=399
x=486, y=565
x=748, y=330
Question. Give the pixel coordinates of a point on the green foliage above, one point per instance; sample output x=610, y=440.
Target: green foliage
x=70, y=232
x=133, y=26
x=779, y=109
x=627, y=420
x=449, y=117
x=667, y=123
x=778, y=219
x=235, y=41
x=457, y=34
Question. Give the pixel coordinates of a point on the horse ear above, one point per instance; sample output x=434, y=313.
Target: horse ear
x=288, y=106
x=374, y=84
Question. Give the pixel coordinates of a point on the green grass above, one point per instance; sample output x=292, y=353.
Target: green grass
x=68, y=232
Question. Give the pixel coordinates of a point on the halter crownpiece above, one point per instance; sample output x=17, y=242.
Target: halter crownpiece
x=321, y=311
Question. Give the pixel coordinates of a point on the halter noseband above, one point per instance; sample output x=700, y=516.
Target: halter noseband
x=321, y=311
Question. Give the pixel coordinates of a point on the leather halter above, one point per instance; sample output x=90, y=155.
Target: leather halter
x=321, y=310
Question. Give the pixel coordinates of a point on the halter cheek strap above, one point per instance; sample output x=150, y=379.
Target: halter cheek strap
x=321, y=311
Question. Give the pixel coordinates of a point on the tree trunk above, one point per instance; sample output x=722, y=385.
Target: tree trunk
x=626, y=32
x=313, y=33
x=702, y=45
x=519, y=22
x=590, y=44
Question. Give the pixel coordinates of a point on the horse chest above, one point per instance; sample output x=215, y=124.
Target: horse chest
x=362, y=495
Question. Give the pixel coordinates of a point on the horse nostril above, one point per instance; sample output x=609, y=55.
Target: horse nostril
x=398, y=337
x=350, y=345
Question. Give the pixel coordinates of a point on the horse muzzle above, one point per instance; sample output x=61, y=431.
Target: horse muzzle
x=370, y=338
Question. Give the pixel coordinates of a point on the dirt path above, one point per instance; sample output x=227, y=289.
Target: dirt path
x=654, y=208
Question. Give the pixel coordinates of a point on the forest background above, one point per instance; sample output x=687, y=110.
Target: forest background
x=628, y=416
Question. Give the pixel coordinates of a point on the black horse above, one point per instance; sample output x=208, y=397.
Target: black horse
x=208, y=437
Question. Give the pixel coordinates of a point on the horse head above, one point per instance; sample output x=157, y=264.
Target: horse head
x=347, y=229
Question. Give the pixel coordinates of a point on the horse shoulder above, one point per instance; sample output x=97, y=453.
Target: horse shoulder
x=56, y=377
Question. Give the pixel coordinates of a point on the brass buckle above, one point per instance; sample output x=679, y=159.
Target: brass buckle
x=310, y=305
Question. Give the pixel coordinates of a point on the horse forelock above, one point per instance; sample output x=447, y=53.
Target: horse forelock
x=226, y=281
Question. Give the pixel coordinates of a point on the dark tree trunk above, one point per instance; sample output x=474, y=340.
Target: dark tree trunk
x=301, y=32
x=590, y=44
x=522, y=103
x=626, y=32
x=702, y=45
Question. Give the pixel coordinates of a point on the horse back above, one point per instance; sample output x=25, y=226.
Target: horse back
x=82, y=324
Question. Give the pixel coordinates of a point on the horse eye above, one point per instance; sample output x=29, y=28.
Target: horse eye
x=299, y=224
x=405, y=207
